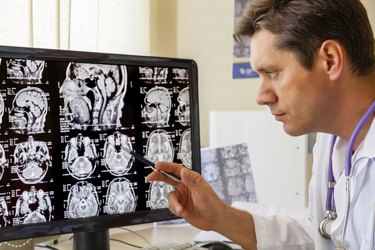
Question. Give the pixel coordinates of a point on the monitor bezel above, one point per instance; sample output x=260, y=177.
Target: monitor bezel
x=105, y=222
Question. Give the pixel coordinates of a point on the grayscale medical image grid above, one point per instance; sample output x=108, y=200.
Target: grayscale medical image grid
x=66, y=130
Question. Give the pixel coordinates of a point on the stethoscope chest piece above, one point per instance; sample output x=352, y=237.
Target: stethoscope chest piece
x=325, y=227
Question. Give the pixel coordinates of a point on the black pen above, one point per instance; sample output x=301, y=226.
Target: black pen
x=152, y=165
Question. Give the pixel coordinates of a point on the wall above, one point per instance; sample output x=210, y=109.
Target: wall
x=204, y=33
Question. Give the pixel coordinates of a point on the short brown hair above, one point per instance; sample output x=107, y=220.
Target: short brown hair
x=301, y=26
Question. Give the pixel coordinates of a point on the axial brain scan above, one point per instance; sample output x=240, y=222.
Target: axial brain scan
x=159, y=146
x=185, y=148
x=81, y=157
x=120, y=197
x=117, y=159
x=4, y=213
x=94, y=95
x=2, y=108
x=83, y=200
x=156, y=111
x=28, y=112
x=33, y=206
x=158, y=194
x=3, y=161
x=32, y=160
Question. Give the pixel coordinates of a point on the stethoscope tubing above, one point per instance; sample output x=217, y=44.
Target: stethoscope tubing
x=330, y=203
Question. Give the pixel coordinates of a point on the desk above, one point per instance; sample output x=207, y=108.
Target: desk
x=154, y=233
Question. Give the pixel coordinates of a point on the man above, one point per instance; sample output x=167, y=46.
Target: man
x=316, y=64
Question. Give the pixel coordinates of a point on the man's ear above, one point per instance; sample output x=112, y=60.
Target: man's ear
x=332, y=56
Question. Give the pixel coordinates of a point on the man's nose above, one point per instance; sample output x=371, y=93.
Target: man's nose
x=266, y=94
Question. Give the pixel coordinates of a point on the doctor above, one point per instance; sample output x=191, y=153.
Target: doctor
x=316, y=64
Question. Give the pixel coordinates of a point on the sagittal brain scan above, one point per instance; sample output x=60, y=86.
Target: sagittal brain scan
x=28, y=111
x=94, y=95
x=25, y=71
x=67, y=128
x=183, y=110
x=158, y=104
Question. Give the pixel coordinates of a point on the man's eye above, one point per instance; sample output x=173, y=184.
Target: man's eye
x=271, y=74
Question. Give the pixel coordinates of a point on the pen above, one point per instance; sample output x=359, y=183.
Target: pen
x=152, y=165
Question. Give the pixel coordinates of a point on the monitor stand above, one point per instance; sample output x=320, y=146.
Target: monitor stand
x=91, y=240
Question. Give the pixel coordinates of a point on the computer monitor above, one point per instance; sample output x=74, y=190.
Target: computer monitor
x=68, y=120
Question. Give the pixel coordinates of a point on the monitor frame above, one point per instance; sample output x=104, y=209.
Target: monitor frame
x=104, y=222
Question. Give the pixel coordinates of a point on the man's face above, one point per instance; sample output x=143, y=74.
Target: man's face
x=297, y=97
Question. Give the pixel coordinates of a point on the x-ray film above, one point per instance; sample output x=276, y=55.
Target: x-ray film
x=228, y=170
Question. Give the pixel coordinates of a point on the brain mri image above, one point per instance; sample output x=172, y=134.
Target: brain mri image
x=3, y=213
x=28, y=111
x=2, y=108
x=23, y=71
x=32, y=160
x=94, y=95
x=117, y=159
x=120, y=197
x=159, y=146
x=83, y=200
x=155, y=74
x=33, y=206
x=181, y=75
x=157, y=108
x=185, y=148
x=158, y=193
x=81, y=157
x=3, y=161
x=183, y=109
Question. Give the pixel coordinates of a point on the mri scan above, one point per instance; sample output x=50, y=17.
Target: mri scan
x=83, y=200
x=81, y=157
x=25, y=71
x=32, y=160
x=94, y=95
x=159, y=146
x=153, y=74
x=185, y=148
x=4, y=213
x=33, y=206
x=120, y=197
x=117, y=159
x=157, y=107
x=183, y=109
x=28, y=111
x=3, y=161
x=158, y=195
x=2, y=108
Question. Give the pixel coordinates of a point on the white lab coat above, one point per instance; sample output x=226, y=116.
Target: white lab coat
x=279, y=232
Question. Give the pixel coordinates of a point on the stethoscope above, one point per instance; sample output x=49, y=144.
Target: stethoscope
x=326, y=222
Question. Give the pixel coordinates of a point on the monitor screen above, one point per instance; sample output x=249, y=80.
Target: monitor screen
x=68, y=121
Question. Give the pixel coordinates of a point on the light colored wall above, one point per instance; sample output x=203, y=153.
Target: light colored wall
x=204, y=33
